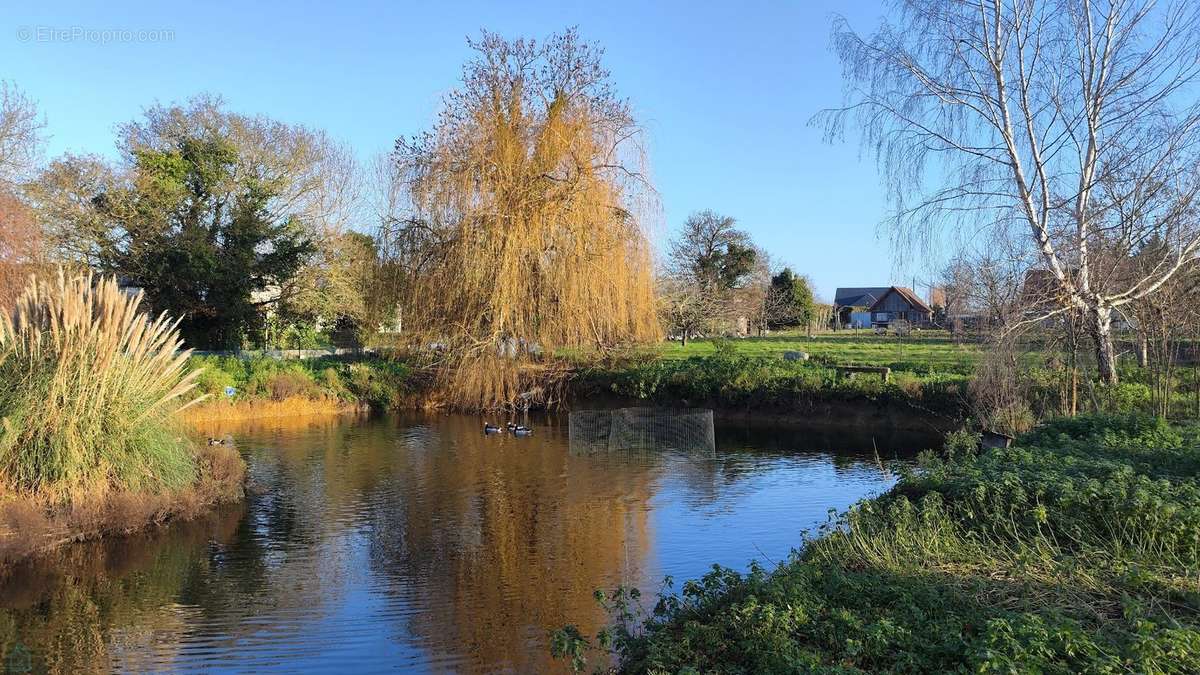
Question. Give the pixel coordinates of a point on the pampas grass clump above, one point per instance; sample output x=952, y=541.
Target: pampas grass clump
x=89, y=388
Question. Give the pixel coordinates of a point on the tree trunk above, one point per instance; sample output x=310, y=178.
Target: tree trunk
x=1106, y=354
x=1074, y=390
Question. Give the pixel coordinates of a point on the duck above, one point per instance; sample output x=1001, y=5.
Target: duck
x=522, y=431
x=491, y=429
x=217, y=441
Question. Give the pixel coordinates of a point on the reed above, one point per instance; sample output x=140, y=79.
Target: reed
x=293, y=406
x=89, y=391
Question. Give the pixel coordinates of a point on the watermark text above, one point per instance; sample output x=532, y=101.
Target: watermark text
x=94, y=35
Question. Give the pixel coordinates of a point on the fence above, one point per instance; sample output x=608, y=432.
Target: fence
x=641, y=429
x=285, y=354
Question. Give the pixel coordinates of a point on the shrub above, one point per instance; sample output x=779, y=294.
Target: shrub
x=381, y=384
x=288, y=383
x=212, y=380
x=91, y=385
x=1124, y=397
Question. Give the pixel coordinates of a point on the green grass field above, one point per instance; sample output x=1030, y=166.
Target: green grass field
x=929, y=351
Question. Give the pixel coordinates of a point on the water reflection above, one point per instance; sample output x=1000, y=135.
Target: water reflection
x=414, y=542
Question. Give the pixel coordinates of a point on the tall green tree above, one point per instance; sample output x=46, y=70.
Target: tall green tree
x=212, y=213
x=795, y=298
x=199, y=238
x=712, y=252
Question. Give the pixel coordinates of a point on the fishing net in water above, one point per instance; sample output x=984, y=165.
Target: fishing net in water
x=642, y=429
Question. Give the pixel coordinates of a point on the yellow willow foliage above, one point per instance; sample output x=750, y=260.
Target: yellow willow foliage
x=90, y=387
x=537, y=239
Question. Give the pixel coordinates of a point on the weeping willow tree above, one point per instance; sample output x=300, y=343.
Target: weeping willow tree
x=523, y=222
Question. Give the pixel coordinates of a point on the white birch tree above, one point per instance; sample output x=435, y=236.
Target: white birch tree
x=1072, y=121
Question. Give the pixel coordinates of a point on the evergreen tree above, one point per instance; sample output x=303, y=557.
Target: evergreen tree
x=796, y=298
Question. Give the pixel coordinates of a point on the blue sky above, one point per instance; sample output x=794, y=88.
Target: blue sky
x=724, y=89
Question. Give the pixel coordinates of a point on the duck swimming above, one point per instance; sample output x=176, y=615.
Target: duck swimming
x=491, y=429
x=522, y=431
x=218, y=441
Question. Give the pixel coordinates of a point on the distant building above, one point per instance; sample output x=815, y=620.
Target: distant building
x=267, y=296
x=129, y=287
x=900, y=304
x=852, y=306
x=877, y=307
x=1043, y=291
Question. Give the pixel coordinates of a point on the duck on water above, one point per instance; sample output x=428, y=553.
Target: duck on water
x=514, y=429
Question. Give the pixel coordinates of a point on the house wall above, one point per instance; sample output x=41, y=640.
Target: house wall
x=860, y=319
x=892, y=302
x=894, y=306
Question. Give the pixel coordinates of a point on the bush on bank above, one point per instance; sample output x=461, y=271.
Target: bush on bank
x=1076, y=550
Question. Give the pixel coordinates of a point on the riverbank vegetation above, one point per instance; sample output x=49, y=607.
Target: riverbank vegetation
x=931, y=373
x=242, y=388
x=753, y=374
x=926, y=351
x=1001, y=387
x=1074, y=550
x=89, y=437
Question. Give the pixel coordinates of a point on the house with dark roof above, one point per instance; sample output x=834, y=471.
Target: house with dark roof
x=879, y=307
x=900, y=304
x=852, y=305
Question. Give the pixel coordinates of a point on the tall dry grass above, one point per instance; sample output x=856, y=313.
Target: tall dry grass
x=89, y=389
x=217, y=411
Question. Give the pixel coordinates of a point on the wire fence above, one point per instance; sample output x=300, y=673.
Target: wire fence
x=641, y=429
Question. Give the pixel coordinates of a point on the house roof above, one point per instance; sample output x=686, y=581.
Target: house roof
x=908, y=296
x=858, y=297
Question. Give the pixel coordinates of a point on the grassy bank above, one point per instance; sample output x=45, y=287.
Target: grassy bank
x=925, y=352
x=725, y=374
x=266, y=387
x=1077, y=550
x=930, y=374
x=32, y=524
x=752, y=373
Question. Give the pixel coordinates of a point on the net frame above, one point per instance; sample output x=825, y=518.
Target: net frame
x=642, y=430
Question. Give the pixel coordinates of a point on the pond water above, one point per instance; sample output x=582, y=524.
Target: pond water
x=416, y=543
